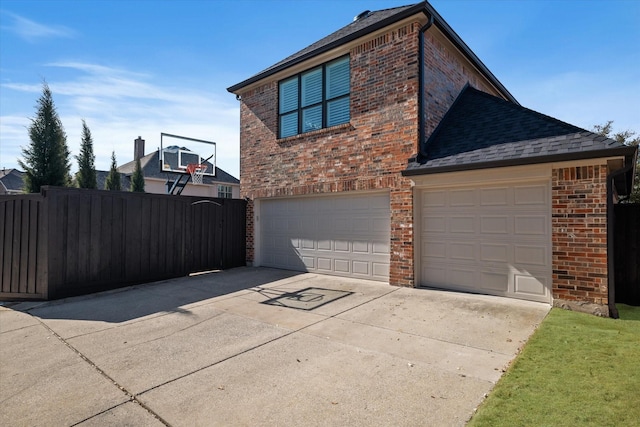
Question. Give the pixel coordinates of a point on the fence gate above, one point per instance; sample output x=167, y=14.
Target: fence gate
x=627, y=253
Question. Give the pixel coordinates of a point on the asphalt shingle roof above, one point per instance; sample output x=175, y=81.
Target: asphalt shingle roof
x=12, y=179
x=150, y=165
x=355, y=29
x=369, y=23
x=481, y=130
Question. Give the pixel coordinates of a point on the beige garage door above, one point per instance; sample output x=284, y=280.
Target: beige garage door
x=338, y=235
x=494, y=240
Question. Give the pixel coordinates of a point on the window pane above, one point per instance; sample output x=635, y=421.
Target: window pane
x=289, y=125
x=312, y=118
x=338, y=111
x=338, y=78
x=312, y=87
x=289, y=95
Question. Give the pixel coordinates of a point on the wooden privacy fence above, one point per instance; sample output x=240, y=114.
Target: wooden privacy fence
x=67, y=241
x=627, y=253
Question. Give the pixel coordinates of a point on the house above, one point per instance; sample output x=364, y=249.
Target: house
x=11, y=181
x=156, y=180
x=388, y=151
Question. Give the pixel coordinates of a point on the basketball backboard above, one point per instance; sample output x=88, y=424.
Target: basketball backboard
x=178, y=152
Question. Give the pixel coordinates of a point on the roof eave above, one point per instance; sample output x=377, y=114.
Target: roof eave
x=627, y=152
x=423, y=7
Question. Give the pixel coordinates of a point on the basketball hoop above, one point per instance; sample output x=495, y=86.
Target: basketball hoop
x=197, y=172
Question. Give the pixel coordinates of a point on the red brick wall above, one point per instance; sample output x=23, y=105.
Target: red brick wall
x=366, y=154
x=580, y=234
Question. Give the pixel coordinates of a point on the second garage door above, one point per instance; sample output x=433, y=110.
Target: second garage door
x=338, y=235
x=492, y=239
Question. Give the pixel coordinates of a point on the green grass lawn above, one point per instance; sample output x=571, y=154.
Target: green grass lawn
x=576, y=370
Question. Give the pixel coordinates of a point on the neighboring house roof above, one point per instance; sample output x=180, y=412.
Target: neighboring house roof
x=150, y=165
x=369, y=23
x=482, y=131
x=12, y=180
x=101, y=180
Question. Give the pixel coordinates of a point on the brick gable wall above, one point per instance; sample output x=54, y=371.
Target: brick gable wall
x=368, y=153
x=579, y=226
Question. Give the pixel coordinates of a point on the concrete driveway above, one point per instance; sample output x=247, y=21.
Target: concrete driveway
x=255, y=346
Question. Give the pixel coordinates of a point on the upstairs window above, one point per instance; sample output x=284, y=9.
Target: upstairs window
x=315, y=99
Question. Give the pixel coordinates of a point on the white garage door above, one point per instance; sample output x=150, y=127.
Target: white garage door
x=494, y=240
x=339, y=235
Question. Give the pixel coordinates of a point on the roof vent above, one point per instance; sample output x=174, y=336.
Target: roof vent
x=361, y=15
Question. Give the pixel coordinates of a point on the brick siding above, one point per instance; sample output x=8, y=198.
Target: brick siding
x=579, y=226
x=368, y=153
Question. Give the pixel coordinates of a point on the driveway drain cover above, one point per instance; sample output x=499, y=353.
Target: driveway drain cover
x=308, y=298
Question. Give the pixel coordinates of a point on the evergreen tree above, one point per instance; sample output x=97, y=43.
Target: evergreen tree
x=46, y=159
x=86, y=176
x=137, y=178
x=113, y=179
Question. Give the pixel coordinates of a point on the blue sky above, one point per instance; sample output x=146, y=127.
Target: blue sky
x=141, y=67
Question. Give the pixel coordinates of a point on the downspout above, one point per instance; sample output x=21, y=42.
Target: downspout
x=611, y=274
x=422, y=155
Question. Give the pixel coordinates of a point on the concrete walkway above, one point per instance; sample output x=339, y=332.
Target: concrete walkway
x=255, y=346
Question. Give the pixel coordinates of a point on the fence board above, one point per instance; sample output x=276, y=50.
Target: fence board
x=72, y=241
x=15, y=258
x=95, y=242
x=3, y=226
x=32, y=256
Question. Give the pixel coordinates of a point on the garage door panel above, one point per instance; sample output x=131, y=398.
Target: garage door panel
x=343, y=235
x=324, y=264
x=361, y=225
x=341, y=225
x=283, y=243
x=434, y=274
x=309, y=262
x=536, y=225
x=341, y=246
x=460, y=198
x=361, y=247
x=465, y=277
x=490, y=239
x=530, y=285
x=494, y=224
x=434, y=249
x=461, y=224
x=434, y=199
x=380, y=269
x=531, y=254
x=494, y=252
x=341, y=266
x=324, y=245
x=531, y=195
x=361, y=267
x=380, y=248
x=379, y=222
x=494, y=197
x=435, y=224
x=307, y=244
x=494, y=281
x=462, y=251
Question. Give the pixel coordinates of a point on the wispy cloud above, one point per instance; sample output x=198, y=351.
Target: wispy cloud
x=33, y=31
x=119, y=105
